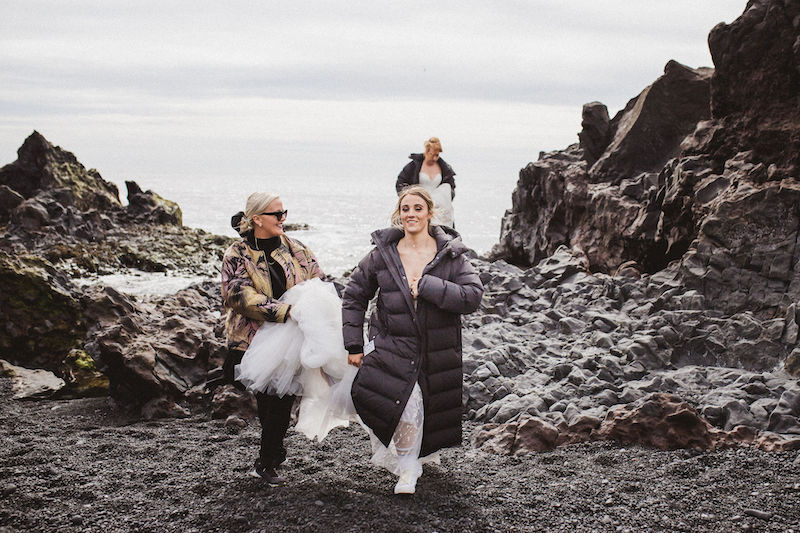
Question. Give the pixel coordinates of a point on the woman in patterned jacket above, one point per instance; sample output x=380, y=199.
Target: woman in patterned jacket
x=256, y=271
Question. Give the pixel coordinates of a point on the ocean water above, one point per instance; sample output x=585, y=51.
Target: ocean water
x=341, y=212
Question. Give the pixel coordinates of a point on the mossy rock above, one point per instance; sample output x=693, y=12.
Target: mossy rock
x=40, y=316
x=82, y=377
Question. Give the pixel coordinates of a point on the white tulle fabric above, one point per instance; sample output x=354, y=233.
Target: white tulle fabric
x=442, y=198
x=305, y=357
x=402, y=456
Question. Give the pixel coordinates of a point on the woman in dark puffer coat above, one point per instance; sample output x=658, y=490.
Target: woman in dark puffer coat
x=410, y=373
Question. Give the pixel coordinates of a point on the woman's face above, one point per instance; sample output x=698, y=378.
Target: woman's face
x=414, y=214
x=267, y=226
x=431, y=154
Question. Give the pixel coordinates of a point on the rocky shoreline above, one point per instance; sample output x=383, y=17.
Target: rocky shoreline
x=643, y=294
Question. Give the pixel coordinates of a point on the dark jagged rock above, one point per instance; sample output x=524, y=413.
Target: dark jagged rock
x=9, y=199
x=746, y=254
x=595, y=131
x=611, y=211
x=649, y=131
x=66, y=221
x=150, y=207
x=754, y=90
x=42, y=166
x=660, y=421
x=58, y=209
x=549, y=357
x=157, y=349
x=725, y=207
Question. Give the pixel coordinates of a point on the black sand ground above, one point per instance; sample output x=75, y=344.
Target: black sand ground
x=79, y=465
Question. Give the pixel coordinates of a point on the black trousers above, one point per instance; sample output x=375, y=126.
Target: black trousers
x=274, y=413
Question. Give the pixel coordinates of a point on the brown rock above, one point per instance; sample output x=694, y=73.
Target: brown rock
x=535, y=435
x=659, y=420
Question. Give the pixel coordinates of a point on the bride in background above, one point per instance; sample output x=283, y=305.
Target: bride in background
x=433, y=174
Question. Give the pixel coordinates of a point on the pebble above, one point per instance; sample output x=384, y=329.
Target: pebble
x=763, y=515
x=319, y=503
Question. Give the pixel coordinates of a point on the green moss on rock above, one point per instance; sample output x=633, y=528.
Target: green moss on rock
x=40, y=319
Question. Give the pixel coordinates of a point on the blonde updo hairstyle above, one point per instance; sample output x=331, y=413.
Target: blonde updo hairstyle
x=256, y=204
x=418, y=191
x=434, y=143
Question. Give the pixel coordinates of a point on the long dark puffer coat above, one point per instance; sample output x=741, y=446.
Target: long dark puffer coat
x=411, y=345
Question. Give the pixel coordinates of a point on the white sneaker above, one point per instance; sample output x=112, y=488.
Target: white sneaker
x=407, y=484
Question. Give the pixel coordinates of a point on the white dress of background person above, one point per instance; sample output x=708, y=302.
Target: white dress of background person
x=305, y=356
x=442, y=198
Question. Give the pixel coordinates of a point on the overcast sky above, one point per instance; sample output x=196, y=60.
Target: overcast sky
x=179, y=87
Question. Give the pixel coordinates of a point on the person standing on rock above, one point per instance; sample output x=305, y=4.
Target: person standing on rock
x=408, y=387
x=432, y=172
x=256, y=271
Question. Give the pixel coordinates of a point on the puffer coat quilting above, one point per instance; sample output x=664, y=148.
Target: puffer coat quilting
x=411, y=345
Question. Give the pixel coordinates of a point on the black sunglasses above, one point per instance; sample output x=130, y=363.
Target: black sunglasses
x=277, y=214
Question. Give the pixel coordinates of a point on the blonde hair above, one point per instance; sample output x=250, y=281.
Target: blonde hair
x=419, y=191
x=256, y=204
x=434, y=143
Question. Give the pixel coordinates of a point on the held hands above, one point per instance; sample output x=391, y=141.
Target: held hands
x=355, y=359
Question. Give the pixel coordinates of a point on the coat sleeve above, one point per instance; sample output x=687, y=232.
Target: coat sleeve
x=449, y=176
x=359, y=291
x=405, y=178
x=460, y=295
x=239, y=294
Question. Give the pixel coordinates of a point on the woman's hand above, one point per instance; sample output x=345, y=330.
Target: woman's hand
x=413, y=285
x=354, y=359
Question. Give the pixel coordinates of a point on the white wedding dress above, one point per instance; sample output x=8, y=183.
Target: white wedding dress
x=442, y=198
x=304, y=356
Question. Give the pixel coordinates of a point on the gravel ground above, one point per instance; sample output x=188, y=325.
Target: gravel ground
x=82, y=465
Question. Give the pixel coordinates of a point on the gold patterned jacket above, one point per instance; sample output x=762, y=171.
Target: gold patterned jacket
x=247, y=289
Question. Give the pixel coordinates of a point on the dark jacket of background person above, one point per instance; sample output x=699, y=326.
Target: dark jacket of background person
x=422, y=345
x=410, y=174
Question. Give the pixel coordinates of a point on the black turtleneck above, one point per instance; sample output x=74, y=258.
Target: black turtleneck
x=276, y=274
